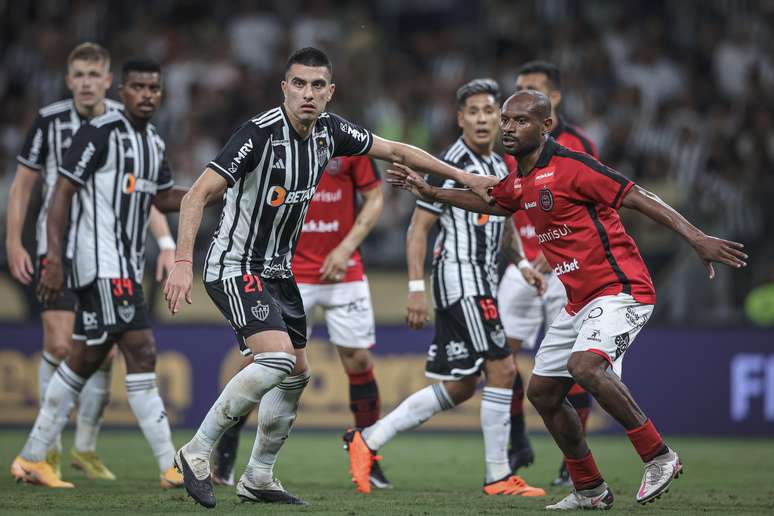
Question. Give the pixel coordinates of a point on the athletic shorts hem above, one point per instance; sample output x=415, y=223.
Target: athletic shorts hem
x=551, y=374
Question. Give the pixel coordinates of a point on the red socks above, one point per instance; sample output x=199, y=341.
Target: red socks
x=647, y=441
x=583, y=472
x=364, y=399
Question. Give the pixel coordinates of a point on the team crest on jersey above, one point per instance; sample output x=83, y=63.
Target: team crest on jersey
x=322, y=149
x=126, y=312
x=546, y=199
x=260, y=311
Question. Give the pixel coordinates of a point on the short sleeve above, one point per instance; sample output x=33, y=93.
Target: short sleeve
x=165, y=181
x=507, y=193
x=33, y=151
x=349, y=139
x=238, y=157
x=435, y=207
x=86, y=154
x=365, y=174
x=599, y=183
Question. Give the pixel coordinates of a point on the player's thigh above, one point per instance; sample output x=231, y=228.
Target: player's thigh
x=554, y=298
x=349, y=316
x=139, y=350
x=555, y=348
x=608, y=325
x=58, y=332
x=312, y=295
x=521, y=309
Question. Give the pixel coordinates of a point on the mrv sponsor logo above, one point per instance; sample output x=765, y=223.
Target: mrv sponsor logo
x=244, y=150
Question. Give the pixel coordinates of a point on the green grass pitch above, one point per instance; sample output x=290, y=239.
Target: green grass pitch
x=433, y=473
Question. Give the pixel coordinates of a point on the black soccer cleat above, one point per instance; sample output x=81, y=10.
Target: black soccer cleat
x=199, y=490
x=377, y=478
x=520, y=458
x=563, y=479
x=275, y=494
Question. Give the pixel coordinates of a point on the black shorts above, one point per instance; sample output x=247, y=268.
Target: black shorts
x=67, y=299
x=466, y=333
x=107, y=309
x=252, y=304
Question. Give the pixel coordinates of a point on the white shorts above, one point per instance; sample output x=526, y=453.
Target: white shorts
x=606, y=326
x=349, y=314
x=522, y=311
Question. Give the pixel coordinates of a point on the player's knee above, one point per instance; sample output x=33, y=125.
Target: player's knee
x=501, y=373
x=461, y=390
x=142, y=358
x=355, y=360
x=58, y=348
x=541, y=397
x=583, y=371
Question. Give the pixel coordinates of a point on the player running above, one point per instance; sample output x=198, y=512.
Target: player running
x=115, y=168
x=88, y=77
x=330, y=274
x=469, y=337
x=270, y=169
x=523, y=313
x=610, y=293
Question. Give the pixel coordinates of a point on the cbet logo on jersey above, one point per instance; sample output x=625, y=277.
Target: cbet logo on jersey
x=131, y=184
x=565, y=267
x=278, y=195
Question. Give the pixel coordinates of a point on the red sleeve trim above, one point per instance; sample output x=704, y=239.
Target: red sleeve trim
x=619, y=198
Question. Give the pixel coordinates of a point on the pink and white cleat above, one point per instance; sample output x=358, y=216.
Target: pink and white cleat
x=658, y=476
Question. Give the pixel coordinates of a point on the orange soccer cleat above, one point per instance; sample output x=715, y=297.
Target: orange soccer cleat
x=512, y=485
x=361, y=460
x=39, y=473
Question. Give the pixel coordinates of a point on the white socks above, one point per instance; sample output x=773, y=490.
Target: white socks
x=239, y=396
x=48, y=364
x=91, y=405
x=62, y=391
x=276, y=415
x=412, y=412
x=496, y=427
x=148, y=408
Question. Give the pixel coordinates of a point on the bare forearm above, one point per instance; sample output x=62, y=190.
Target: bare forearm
x=169, y=200
x=58, y=212
x=18, y=202
x=424, y=162
x=511, y=247
x=652, y=206
x=365, y=221
x=416, y=251
x=191, y=210
x=158, y=224
x=465, y=199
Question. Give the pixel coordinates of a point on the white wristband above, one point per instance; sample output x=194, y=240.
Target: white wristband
x=416, y=285
x=166, y=243
x=523, y=264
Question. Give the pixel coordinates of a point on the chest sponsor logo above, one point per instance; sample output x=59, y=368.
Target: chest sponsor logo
x=327, y=196
x=354, y=133
x=546, y=199
x=86, y=156
x=554, y=234
x=517, y=183
x=132, y=184
x=319, y=226
x=260, y=311
x=481, y=219
x=244, y=150
x=544, y=177
x=126, y=312
x=277, y=196
x=565, y=267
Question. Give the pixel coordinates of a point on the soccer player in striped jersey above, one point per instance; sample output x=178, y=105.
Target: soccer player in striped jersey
x=88, y=78
x=269, y=169
x=115, y=168
x=469, y=338
x=524, y=313
x=609, y=290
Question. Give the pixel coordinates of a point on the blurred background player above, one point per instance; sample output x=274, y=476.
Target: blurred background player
x=118, y=149
x=469, y=338
x=88, y=77
x=329, y=272
x=524, y=313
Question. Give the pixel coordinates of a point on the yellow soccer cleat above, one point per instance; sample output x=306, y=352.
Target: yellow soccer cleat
x=54, y=459
x=171, y=479
x=91, y=465
x=512, y=485
x=39, y=473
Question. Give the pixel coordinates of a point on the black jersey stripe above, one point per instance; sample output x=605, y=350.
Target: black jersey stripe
x=622, y=278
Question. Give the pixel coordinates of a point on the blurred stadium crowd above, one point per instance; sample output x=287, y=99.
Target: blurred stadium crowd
x=678, y=95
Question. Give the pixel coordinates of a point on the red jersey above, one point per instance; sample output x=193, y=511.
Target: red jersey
x=331, y=216
x=571, y=199
x=568, y=136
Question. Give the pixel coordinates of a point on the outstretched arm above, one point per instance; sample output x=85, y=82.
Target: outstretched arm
x=416, y=158
x=710, y=249
x=204, y=191
x=403, y=177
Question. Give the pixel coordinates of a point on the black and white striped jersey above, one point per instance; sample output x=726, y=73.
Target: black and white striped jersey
x=465, y=252
x=119, y=169
x=46, y=143
x=272, y=175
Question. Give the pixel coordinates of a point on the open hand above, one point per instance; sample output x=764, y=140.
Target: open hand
x=334, y=268
x=51, y=282
x=20, y=264
x=416, y=310
x=401, y=176
x=534, y=278
x=178, y=286
x=480, y=185
x=165, y=262
x=711, y=249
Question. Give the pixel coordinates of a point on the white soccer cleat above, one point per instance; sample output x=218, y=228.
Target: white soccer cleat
x=658, y=476
x=577, y=502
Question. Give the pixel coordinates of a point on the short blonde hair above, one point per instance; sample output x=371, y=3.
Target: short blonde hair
x=89, y=51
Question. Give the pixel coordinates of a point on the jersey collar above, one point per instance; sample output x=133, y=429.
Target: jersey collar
x=549, y=149
x=559, y=128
